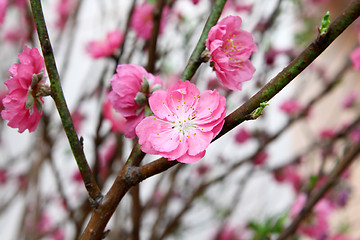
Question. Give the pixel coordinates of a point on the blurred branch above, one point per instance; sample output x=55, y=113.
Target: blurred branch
x=330, y=182
x=157, y=14
x=58, y=96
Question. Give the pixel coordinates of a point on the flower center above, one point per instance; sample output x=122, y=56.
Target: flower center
x=184, y=126
x=233, y=49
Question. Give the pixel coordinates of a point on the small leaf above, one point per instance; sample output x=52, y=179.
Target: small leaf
x=325, y=24
x=258, y=112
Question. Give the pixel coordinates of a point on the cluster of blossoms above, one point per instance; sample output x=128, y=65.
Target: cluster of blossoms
x=230, y=49
x=23, y=104
x=185, y=121
x=106, y=47
x=131, y=87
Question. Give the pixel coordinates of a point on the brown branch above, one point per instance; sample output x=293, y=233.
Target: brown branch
x=330, y=182
x=157, y=14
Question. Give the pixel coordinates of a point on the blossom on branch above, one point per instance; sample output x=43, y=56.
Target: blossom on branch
x=132, y=85
x=184, y=124
x=23, y=104
x=106, y=47
x=230, y=50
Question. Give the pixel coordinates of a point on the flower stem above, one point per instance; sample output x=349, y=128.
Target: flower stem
x=195, y=58
x=59, y=99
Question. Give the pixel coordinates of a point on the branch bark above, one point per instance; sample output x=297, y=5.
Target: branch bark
x=59, y=99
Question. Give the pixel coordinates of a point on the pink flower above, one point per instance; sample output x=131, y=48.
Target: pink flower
x=24, y=102
x=44, y=223
x=106, y=47
x=340, y=236
x=116, y=119
x=142, y=20
x=3, y=8
x=242, y=135
x=289, y=174
x=63, y=8
x=350, y=99
x=316, y=224
x=260, y=158
x=3, y=176
x=327, y=133
x=184, y=124
x=77, y=118
x=58, y=234
x=131, y=87
x=238, y=7
x=106, y=153
x=230, y=50
x=355, y=58
x=76, y=177
x=355, y=135
x=290, y=106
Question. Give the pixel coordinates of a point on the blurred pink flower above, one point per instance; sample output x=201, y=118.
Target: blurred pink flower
x=63, y=9
x=3, y=7
x=131, y=87
x=116, y=119
x=316, y=224
x=260, y=158
x=142, y=20
x=355, y=58
x=238, y=7
x=58, y=234
x=271, y=54
x=290, y=106
x=77, y=118
x=228, y=232
x=44, y=223
x=350, y=99
x=76, y=177
x=106, y=47
x=242, y=135
x=106, y=152
x=327, y=133
x=230, y=50
x=3, y=176
x=355, y=134
x=23, y=104
x=340, y=236
x=289, y=174
x=184, y=124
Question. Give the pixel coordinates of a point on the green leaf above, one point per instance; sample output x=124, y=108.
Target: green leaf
x=325, y=24
x=258, y=112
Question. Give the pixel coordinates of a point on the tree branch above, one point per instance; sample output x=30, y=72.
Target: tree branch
x=294, y=68
x=59, y=99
